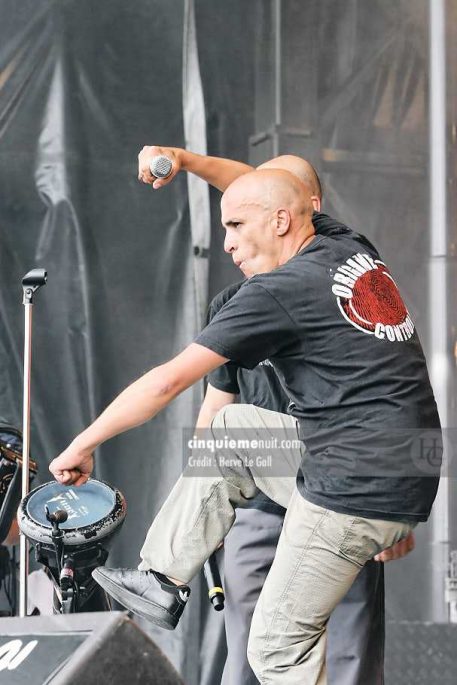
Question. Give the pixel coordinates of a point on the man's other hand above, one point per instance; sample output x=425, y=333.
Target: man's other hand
x=399, y=550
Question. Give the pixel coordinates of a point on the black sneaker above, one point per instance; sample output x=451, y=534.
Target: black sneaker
x=147, y=593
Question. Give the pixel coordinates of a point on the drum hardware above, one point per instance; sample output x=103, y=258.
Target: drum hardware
x=42, y=556
x=10, y=496
x=14, y=456
x=8, y=579
x=68, y=587
x=65, y=566
x=59, y=516
x=10, y=481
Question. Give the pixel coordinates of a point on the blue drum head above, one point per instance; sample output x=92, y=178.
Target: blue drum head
x=85, y=505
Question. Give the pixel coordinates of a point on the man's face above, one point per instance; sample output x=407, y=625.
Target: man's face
x=250, y=236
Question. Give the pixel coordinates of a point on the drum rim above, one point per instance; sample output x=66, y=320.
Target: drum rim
x=73, y=536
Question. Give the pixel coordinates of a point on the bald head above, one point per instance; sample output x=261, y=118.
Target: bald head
x=267, y=217
x=299, y=167
x=272, y=189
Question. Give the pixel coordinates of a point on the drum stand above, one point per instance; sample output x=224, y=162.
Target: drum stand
x=65, y=567
x=70, y=596
x=31, y=282
x=69, y=591
x=74, y=589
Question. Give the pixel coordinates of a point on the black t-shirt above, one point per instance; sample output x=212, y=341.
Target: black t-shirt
x=334, y=326
x=259, y=386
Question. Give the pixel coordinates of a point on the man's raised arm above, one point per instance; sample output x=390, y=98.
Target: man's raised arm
x=138, y=403
x=216, y=171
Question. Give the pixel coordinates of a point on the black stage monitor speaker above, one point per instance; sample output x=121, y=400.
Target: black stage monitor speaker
x=80, y=649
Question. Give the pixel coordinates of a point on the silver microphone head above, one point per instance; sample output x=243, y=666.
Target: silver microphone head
x=161, y=166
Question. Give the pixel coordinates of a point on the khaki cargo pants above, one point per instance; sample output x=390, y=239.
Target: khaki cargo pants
x=319, y=554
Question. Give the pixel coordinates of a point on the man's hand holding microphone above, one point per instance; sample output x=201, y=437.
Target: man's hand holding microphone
x=158, y=166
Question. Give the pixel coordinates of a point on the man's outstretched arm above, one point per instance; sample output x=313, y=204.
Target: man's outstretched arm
x=216, y=171
x=138, y=403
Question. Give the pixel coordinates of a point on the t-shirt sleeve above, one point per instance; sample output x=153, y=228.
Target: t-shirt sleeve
x=225, y=378
x=249, y=328
x=213, y=308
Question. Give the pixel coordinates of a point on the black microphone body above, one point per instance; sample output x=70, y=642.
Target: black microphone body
x=213, y=579
x=55, y=518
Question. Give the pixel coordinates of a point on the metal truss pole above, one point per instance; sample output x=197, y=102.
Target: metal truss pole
x=441, y=367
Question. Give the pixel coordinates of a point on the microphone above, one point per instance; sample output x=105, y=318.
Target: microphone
x=56, y=517
x=35, y=278
x=213, y=579
x=161, y=166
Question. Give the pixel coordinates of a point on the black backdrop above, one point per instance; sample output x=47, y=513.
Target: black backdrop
x=84, y=84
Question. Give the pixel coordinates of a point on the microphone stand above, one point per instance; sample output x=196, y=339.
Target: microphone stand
x=31, y=282
x=65, y=567
x=59, y=516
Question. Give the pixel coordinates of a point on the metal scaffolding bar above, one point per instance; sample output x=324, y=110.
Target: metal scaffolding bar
x=440, y=354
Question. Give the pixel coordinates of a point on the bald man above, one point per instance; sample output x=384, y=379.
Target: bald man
x=355, y=649
x=356, y=383
x=220, y=173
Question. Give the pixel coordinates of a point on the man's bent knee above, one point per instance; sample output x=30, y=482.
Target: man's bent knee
x=228, y=416
x=260, y=652
x=255, y=655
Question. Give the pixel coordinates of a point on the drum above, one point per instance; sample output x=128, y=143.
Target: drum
x=11, y=477
x=95, y=511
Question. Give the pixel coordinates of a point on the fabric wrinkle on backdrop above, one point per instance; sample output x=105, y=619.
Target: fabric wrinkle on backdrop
x=76, y=104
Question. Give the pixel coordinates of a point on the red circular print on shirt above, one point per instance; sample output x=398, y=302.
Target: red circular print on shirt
x=369, y=299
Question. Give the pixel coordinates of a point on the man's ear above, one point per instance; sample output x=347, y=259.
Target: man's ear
x=316, y=202
x=282, y=221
